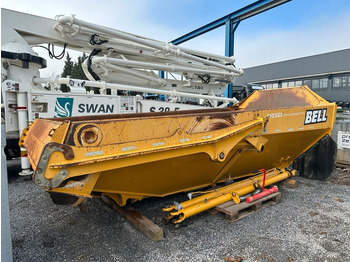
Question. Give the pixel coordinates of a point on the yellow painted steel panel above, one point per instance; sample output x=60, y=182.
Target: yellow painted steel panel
x=157, y=154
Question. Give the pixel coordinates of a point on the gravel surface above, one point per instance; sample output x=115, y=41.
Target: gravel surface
x=311, y=223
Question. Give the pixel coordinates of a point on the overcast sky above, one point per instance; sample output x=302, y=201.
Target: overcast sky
x=295, y=29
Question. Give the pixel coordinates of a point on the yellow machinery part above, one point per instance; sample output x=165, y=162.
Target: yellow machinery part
x=134, y=156
x=224, y=194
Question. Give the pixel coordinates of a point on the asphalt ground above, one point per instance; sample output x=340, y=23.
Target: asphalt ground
x=311, y=223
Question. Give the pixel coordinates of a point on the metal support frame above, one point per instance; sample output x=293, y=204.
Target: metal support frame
x=231, y=21
x=231, y=27
x=239, y=15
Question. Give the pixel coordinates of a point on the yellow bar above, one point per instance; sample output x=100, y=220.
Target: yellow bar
x=215, y=193
x=207, y=201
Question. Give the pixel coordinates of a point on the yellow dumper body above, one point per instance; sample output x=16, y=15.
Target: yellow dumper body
x=133, y=156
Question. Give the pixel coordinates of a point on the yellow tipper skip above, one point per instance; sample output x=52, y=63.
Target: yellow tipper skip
x=133, y=156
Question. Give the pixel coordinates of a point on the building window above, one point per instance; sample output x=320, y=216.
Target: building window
x=345, y=81
x=298, y=83
x=323, y=83
x=284, y=84
x=337, y=81
x=270, y=85
x=315, y=84
x=291, y=83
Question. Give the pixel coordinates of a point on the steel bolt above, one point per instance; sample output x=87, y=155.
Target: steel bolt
x=222, y=155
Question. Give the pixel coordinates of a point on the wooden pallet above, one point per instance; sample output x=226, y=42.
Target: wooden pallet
x=235, y=212
x=343, y=164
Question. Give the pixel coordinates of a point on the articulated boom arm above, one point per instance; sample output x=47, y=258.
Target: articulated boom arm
x=125, y=58
x=122, y=58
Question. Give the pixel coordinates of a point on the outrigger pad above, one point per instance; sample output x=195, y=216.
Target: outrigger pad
x=318, y=162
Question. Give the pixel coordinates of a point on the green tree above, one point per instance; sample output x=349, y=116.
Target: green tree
x=67, y=71
x=74, y=70
x=78, y=71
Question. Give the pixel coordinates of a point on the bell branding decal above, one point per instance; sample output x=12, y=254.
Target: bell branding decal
x=63, y=107
x=315, y=116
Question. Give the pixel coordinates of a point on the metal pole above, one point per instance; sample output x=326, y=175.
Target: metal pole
x=22, y=109
x=231, y=26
